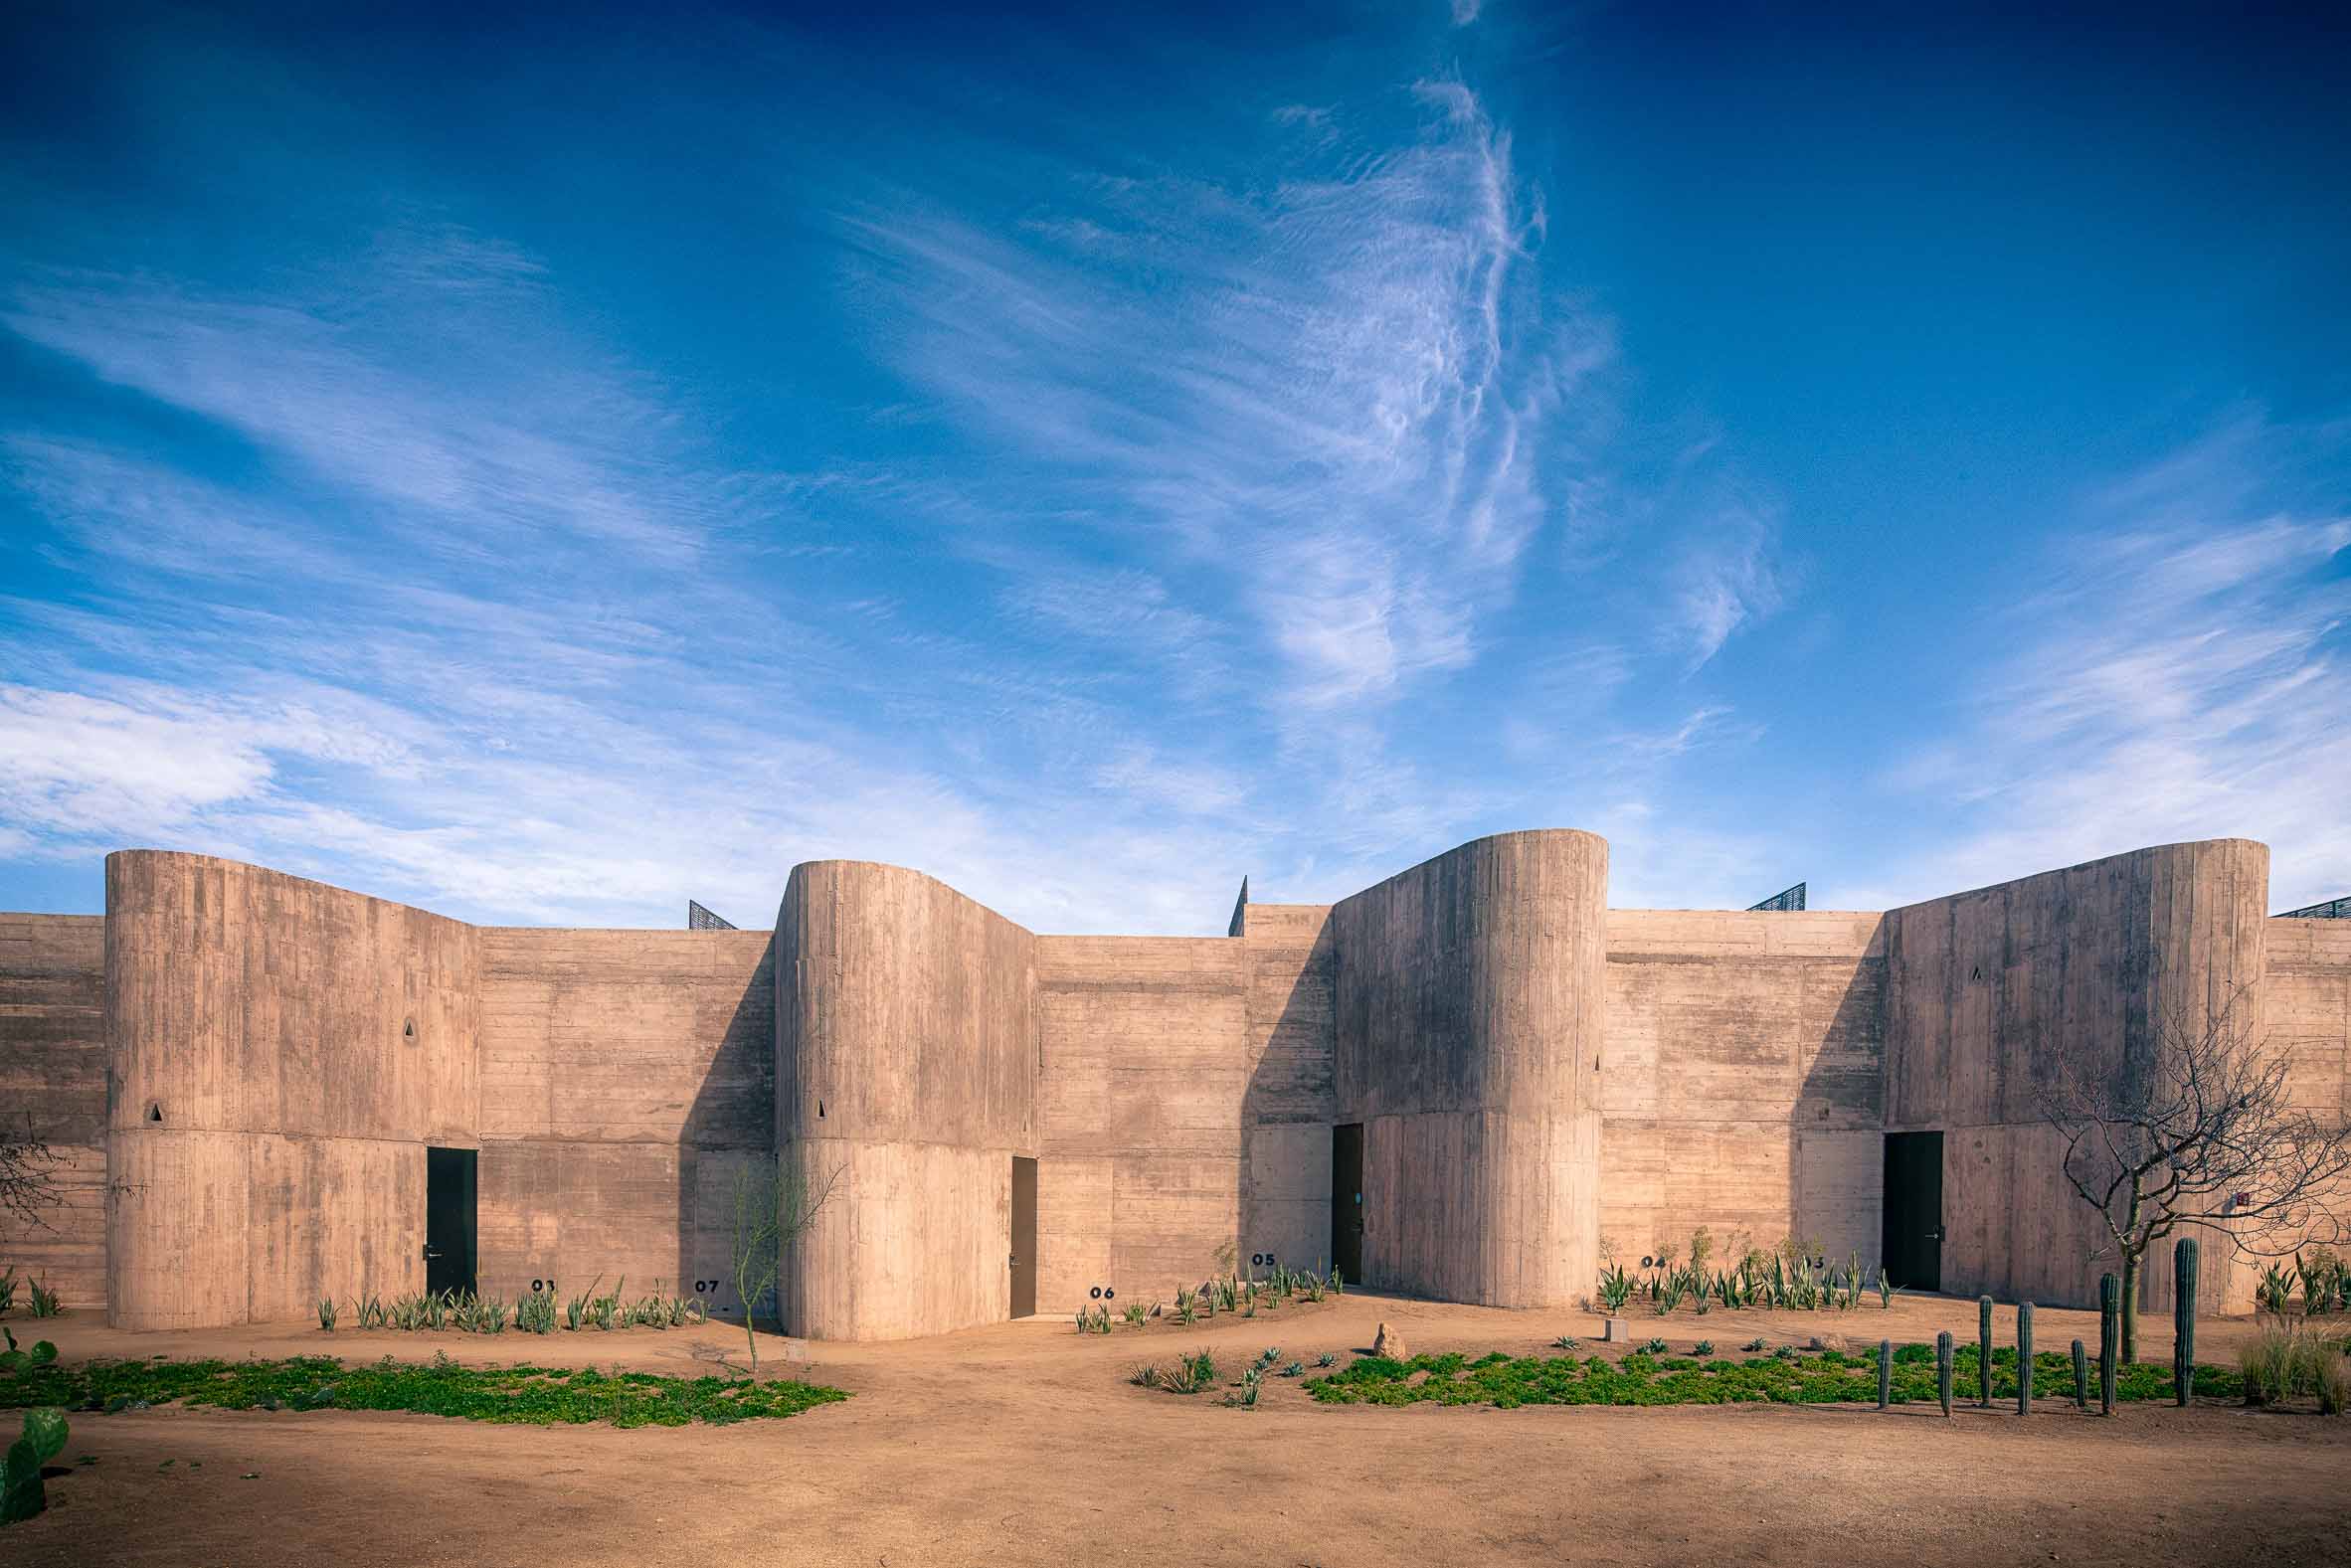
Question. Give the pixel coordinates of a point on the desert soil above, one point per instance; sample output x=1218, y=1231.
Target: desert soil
x=1023, y=1443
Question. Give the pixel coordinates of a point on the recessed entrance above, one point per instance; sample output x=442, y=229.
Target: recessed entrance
x=1023, y=1253
x=1347, y=1201
x=1912, y=1242
x=449, y=1219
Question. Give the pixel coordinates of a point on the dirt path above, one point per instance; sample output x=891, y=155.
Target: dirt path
x=1022, y=1444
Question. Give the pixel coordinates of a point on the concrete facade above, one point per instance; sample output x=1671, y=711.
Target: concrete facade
x=242, y=1072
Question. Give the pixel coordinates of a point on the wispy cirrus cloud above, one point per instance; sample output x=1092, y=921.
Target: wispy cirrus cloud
x=2183, y=673
x=1333, y=387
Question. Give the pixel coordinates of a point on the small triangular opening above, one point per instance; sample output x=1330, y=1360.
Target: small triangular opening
x=408, y=1030
x=154, y=1112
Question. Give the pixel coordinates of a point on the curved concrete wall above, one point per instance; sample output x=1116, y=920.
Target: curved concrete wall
x=1469, y=1030
x=280, y=1054
x=907, y=1061
x=1988, y=989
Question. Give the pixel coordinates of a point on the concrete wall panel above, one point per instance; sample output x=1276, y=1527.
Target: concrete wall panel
x=249, y=1008
x=1468, y=1040
x=1989, y=991
x=907, y=1062
x=52, y=1085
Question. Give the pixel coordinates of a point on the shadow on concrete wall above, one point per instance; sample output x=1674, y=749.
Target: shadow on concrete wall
x=730, y=1125
x=1836, y=1131
x=1289, y=1104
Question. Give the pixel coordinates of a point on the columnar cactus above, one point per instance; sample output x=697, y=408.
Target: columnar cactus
x=2183, y=1319
x=1884, y=1375
x=1983, y=1345
x=2109, y=1338
x=2024, y=1359
x=1943, y=1370
x=2081, y=1377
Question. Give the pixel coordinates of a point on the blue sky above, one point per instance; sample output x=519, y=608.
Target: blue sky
x=548, y=473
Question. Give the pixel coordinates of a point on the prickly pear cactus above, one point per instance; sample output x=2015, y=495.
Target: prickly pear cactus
x=1943, y=1370
x=21, y=1491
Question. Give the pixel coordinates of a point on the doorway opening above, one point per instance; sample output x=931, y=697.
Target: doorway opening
x=1023, y=1255
x=1912, y=1243
x=1347, y=1201
x=449, y=1219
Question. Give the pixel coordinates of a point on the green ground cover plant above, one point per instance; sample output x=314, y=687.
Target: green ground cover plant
x=1832, y=1377
x=537, y=1395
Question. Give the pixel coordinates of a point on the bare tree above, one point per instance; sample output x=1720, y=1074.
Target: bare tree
x=28, y=1179
x=2203, y=1132
x=775, y=1206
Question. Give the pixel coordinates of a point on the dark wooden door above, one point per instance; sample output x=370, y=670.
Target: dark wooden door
x=1912, y=1246
x=1347, y=1201
x=1023, y=1255
x=449, y=1219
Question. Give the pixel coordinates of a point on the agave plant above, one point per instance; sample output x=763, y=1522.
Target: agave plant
x=1616, y=1287
x=328, y=1313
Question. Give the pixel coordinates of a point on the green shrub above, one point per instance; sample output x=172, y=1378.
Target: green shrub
x=44, y=1301
x=1785, y=1377
x=531, y=1394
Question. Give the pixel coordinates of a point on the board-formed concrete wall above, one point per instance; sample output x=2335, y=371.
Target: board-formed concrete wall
x=280, y=1053
x=1469, y=1045
x=52, y=1086
x=907, y=1067
x=1988, y=990
x=251, y=1065
x=1742, y=1088
x=627, y=1077
x=1139, y=1176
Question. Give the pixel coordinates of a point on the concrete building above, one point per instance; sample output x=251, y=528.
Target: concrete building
x=1453, y=1084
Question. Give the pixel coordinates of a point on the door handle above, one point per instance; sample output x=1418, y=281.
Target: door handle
x=430, y=1254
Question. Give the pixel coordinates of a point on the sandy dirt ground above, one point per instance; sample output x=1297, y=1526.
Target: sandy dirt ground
x=1023, y=1443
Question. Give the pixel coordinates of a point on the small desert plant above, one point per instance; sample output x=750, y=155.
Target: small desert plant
x=1567, y=1342
x=576, y=1311
x=1246, y=1397
x=1704, y=1348
x=2275, y=1291
x=1886, y=1289
x=535, y=1314
x=1616, y=1287
x=1753, y=1345
x=1327, y=1358
x=8, y=1282
x=44, y=1300
x=1337, y=1285
x=436, y=1310
x=1145, y=1376
x=1190, y=1373
x=2285, y=1360
x=371, y=1311
x=1294, y=1369
x=1133, y=1311
x=1655, y=1347
x=328, y=1311
x=21, y=1493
